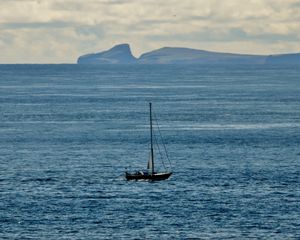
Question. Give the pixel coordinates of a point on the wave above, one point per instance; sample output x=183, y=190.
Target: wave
x=192, y=127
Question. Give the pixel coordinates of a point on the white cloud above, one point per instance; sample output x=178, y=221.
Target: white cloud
x=56, y=31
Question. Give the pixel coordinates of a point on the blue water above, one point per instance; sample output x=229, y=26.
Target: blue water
x=67, y=132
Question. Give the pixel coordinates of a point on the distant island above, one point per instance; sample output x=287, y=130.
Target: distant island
x=121, y=54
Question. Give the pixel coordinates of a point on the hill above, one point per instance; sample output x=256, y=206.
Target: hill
x=121, y=54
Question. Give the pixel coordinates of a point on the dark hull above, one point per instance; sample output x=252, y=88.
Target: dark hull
x=154, y=177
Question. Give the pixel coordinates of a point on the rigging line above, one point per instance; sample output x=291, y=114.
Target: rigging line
x=162, y=140
x=161, y=155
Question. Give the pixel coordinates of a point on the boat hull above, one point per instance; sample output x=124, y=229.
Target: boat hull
x=151, y=177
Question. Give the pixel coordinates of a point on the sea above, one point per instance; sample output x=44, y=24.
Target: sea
x=69, y=132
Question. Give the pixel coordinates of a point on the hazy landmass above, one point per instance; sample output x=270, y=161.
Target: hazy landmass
x=121, y=54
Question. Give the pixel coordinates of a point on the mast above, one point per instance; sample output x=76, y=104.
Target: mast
x=151, y=140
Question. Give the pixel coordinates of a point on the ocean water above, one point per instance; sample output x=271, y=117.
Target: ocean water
x=67, y=133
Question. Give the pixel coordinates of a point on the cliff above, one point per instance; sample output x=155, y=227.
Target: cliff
x=119, y=54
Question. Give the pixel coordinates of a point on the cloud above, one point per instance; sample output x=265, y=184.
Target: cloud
x=34, y=25
x=228, y=35
x=61, y=30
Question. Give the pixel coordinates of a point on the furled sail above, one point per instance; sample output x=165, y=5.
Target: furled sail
x=150, y=162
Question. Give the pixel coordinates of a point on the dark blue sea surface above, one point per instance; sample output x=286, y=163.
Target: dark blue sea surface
x=67, y=133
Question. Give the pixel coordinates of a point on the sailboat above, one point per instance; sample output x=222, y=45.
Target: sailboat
x=150, y=173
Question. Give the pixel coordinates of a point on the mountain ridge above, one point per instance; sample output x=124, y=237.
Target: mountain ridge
x=121, y=54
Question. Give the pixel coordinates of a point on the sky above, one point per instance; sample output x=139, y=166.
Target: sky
x=59, y=31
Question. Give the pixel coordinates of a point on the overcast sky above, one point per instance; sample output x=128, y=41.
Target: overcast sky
x=58, y=31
